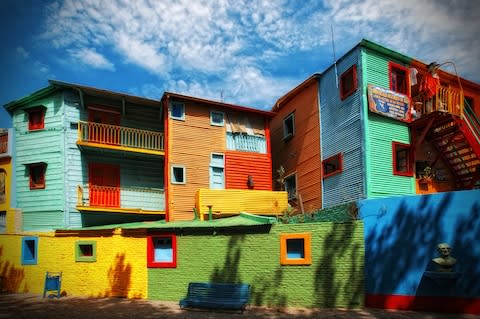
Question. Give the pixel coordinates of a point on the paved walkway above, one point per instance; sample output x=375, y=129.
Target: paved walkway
x=33, y=306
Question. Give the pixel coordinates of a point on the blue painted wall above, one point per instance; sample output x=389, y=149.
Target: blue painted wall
x=401, y=235
x=341, y=131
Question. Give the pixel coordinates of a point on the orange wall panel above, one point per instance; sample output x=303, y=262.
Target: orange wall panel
x=191, y=143
x=239, y=165
x=300, y=154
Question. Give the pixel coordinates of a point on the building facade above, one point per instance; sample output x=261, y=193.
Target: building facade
x=388, y=125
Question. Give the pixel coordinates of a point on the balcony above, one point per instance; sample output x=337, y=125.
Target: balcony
x=130, y=200
x=120, y=138
x=447, y=100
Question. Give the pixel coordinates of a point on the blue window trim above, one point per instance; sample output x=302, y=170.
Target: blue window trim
x=29, y=261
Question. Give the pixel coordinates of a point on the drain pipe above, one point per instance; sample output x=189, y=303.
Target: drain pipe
x=210, y=212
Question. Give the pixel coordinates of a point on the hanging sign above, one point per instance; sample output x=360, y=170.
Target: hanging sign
x=388, y=103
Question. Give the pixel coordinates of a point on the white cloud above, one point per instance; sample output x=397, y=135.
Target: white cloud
x=189, y=43
x=92, y=58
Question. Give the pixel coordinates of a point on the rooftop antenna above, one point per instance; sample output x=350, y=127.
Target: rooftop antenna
x=334, y=57
x=221, y=95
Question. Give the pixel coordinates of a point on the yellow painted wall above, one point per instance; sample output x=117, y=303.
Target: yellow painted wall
x=6, y=169
x=120, y=269
x=234, y=201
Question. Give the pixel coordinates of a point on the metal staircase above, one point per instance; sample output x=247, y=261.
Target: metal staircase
x=457, y=140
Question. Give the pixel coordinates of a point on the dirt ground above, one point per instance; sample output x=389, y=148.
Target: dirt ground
x=34, y=306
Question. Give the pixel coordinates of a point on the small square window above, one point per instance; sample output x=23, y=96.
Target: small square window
x=178, y=174
x=29, y=250
x=398, y=78
x=332, y=165
x=177, y=111
x=295, y=249
x=290, y=183
x=289, y=126
x=36, y=118
x=162, y=251
x=217, y=118
x=85, y=251
x=36, y=173
x=402, y=159
x=348, y=82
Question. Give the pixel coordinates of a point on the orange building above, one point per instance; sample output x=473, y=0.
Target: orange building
x=216, y=146
x=296, y=148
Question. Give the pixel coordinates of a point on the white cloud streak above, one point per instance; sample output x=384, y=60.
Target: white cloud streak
x=234, y=42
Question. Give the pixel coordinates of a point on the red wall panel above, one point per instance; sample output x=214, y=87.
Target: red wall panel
x=239, y=165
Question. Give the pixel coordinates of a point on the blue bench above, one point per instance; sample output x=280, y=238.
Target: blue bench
x=216, y=296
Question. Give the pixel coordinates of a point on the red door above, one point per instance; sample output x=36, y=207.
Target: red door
x=102, y=133
x=104, y=185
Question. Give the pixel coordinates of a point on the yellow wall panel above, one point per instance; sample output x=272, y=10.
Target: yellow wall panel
x=120, y=268
x=235, y=201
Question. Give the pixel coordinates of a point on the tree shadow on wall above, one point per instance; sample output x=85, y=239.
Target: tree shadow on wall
x=119, y=277
x=400, y=245
x=340, y=257
x=11, y=276
x=404, y=244
x=263, y=290
x=229, y=272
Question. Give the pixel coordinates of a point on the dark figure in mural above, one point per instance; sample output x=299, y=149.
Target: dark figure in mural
x=445, y=262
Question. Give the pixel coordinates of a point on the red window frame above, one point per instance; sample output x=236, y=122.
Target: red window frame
x=36, y=118
x=151, y=263
x=36, y=173
x=344, y=80
x=408, y=158
x=338, y=158
x=393, y=74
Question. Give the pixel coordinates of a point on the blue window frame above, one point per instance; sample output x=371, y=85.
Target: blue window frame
x=29, y=250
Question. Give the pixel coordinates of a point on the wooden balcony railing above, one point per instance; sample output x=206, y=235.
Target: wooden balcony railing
x=119, y=136
x=121, y=199
x=447, y=99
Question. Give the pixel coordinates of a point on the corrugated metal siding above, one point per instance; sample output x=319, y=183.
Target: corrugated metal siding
x=239, y=165
x=381, y=132
x=41, y=208
x=342, y=133
x=233, y=201
x=301, y=154
x=191, y=143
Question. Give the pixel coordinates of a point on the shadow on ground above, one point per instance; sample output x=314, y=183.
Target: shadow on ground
x=33, y=306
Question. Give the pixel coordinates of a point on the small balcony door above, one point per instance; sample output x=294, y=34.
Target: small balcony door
x=217, y=171
x=104, y=185
x=102, y=133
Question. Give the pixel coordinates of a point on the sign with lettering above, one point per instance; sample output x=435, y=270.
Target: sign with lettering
x=388, y=103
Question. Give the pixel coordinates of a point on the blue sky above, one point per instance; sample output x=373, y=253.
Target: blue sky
x=248, y=52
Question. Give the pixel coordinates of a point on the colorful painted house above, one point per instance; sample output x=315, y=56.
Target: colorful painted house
x=87, y=156
x=8, y=218
x=219, y=155
x=376, y=124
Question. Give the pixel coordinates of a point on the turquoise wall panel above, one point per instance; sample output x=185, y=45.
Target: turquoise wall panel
x=135, y=174
x=380, y=132
x=42, y=208
x=341, y=131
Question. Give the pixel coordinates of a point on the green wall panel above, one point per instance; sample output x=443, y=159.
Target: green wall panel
x=334, y=279
x=380, y=132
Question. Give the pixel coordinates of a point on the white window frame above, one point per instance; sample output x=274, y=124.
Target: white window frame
x=172, y=176
x=287, y=135
x=177, y=104
x=215, y=123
